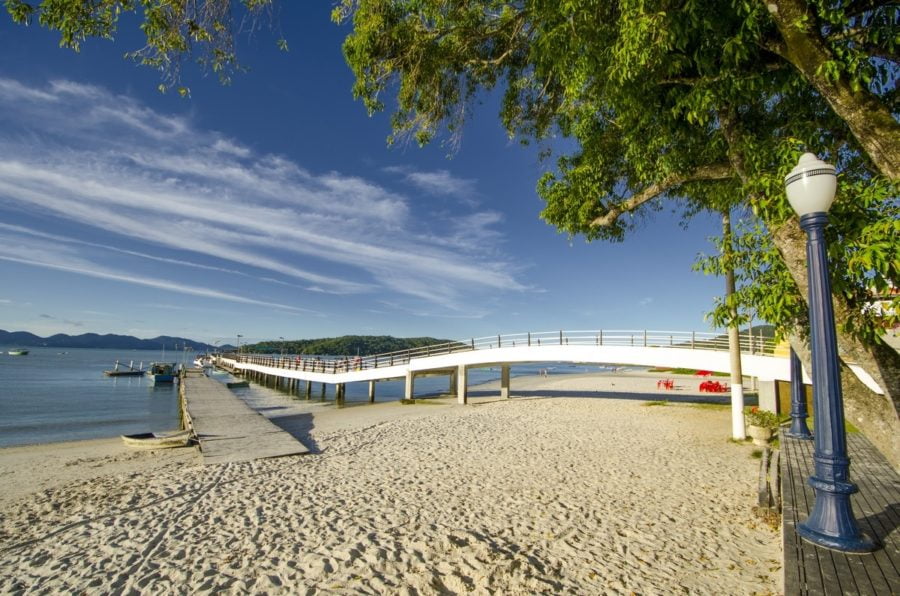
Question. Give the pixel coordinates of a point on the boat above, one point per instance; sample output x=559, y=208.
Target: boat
x=158, y=440
x=18, y=352
x=131, y=371
x=204, y=362
x=233, y=384
x=161, y=372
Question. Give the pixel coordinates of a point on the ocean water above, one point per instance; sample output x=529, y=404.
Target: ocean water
x=60, y=394
x=55, y=394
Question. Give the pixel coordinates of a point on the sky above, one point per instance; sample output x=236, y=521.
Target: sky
x=274, y=207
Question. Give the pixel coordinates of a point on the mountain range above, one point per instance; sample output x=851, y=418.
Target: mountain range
x=107, y=341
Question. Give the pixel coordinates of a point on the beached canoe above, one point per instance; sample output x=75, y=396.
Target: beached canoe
x=158, y=440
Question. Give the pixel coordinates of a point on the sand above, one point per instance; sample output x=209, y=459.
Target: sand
x=529, y=495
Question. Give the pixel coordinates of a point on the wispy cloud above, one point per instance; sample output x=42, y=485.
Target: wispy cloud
x=438, y=182
x=645, y=301
x=140, y=176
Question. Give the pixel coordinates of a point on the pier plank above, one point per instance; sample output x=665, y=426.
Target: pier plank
x=227, y=428
x=811, y=570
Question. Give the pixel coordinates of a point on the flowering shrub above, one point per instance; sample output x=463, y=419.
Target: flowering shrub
x=763, y=418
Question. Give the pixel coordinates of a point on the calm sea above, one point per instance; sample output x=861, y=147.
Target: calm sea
x=55, y=394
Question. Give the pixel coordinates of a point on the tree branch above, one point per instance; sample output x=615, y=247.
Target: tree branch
x=721, y=171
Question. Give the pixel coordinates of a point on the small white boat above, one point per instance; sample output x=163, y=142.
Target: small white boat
x=158, y=440
x=18, y=352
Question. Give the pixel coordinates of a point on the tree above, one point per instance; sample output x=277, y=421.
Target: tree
x=698, y=105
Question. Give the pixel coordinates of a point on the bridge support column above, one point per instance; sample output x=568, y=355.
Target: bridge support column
x=452, y=388
x=323, y=390
x=462, y=392
x=339, y=392
x=371, y=392
x=504, y=381
x=768, y=397
x=308, y=389
x=410, y=385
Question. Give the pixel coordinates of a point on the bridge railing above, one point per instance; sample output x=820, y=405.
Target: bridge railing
x=634, y=338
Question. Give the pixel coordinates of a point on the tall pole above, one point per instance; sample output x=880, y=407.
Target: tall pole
x=799, y=428
x=734, y=340
x=810, y=188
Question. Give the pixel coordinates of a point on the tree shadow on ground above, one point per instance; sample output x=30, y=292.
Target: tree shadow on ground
x=300, y=427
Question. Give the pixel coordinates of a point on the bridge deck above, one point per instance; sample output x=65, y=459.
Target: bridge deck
x=811, y=570
x=228, y=429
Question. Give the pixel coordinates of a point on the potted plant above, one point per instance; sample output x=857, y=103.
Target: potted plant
x=761, y=425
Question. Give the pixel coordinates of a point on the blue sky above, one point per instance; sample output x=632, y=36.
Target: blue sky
x=274, y=208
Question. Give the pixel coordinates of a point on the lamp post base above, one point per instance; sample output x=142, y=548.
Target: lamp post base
x=831, y=523
x=802, y=433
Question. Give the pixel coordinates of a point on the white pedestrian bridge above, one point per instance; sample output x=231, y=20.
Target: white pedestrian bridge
x=673, y=349
x=760, y=358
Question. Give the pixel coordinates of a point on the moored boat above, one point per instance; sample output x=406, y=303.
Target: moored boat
x=131, y=371
x=18, y=352
x=158, y=440
x=161, y=372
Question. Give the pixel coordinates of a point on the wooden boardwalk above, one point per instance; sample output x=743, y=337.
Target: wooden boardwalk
x=813, y=570
x=227, y=428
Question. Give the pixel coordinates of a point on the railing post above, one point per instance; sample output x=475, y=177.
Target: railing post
x=498, y=341
x=693, y=338
x=560, y=337
x=645, y=338
x=671, y=341
x=632, y=340
x=529, y=339
x=473, y=343
x=601, y=337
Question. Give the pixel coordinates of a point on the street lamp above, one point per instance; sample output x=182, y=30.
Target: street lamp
x=811, y=187
x=282, y=346
x=799, y=414
x=240, y=352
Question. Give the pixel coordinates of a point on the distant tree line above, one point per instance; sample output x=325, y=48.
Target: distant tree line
x=346, y=345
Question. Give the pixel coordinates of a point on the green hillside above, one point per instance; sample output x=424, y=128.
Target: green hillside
x=347, y=345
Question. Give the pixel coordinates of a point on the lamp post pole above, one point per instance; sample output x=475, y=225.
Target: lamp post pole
x=240, y=350
x=810, y=189
x=799, y=414
x=282, y=347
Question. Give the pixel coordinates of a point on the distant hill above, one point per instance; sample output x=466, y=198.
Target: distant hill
x=347, y=345
x=108, y=341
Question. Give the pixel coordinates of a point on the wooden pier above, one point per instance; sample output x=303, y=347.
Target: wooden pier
x=227, y=428
x=812, y=570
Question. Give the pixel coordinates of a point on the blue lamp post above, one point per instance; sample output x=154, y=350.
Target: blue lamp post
x=810, y=187
x=799, y=429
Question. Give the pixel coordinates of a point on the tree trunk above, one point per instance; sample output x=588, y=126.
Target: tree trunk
x=734, y=341
x=870, y=121
x=876, y=415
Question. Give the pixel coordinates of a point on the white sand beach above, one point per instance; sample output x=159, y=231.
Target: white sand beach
x=528, y=495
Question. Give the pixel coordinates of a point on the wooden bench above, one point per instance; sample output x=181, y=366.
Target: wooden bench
x=809, y=569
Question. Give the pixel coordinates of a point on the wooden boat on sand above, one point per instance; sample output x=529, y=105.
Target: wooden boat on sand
x=158, y=440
